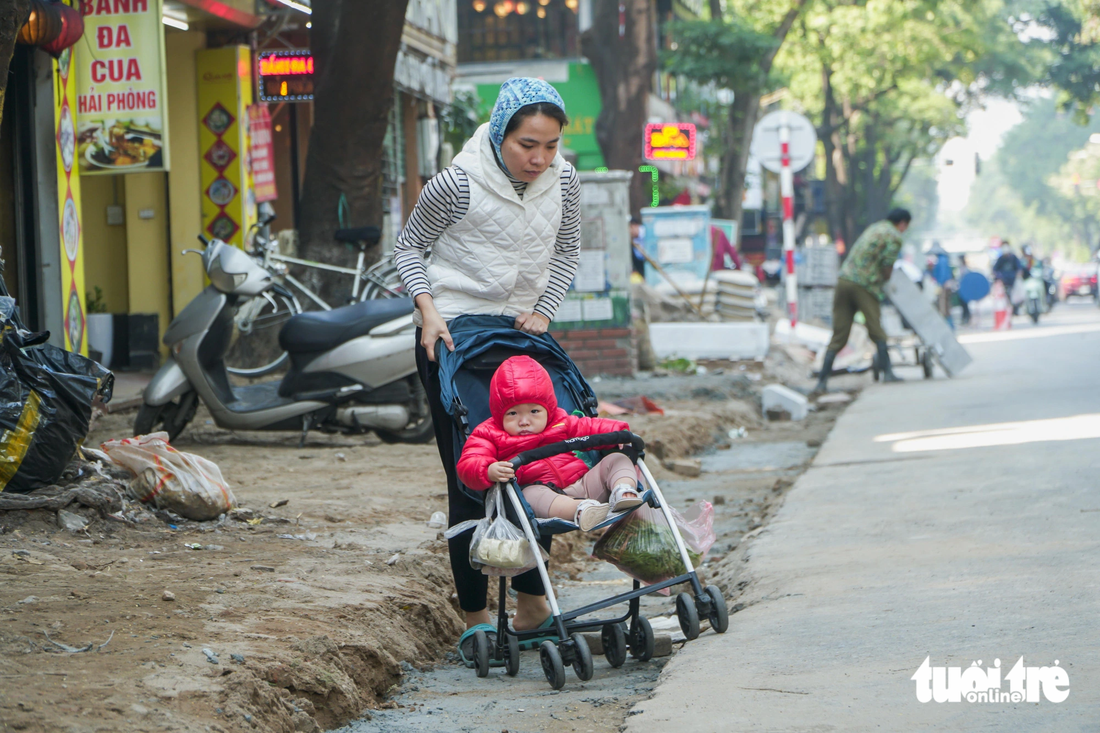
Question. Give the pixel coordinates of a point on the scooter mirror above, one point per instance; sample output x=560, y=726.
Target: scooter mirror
x=267, y=213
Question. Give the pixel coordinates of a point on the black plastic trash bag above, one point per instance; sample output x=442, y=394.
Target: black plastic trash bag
x=46, y=396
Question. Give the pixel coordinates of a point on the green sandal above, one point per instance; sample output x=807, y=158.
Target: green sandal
x=534, y=643
x=466, y=642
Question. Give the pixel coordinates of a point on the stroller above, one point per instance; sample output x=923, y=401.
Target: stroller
x=483, y=343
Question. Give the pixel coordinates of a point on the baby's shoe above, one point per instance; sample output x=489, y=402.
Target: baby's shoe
x=589, y=514
x=623, y=497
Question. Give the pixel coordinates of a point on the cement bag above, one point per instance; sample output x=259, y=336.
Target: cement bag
x=642, y=545
x=46, y=397
x=182, y=483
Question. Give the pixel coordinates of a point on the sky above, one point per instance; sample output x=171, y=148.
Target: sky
x=986, y=128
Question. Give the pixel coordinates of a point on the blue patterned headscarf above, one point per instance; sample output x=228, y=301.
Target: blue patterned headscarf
x=514, y=94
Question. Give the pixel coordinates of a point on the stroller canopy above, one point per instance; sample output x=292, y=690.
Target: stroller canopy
x=482, y=343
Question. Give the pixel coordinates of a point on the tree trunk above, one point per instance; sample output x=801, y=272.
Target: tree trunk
x=624, y=66
x=715, y=9
x=13, y=14
x=835, y=173
x=742, y=119
x=355, y=44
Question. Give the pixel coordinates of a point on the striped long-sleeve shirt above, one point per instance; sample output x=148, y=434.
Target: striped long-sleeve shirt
x=445, y=201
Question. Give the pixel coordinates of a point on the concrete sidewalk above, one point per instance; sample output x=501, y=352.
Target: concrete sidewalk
x=926, y=527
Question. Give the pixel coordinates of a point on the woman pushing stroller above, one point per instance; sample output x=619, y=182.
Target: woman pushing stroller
x=502, y=226
x=525, y=416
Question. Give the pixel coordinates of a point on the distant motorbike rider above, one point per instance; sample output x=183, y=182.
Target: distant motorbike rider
x=1006, y=269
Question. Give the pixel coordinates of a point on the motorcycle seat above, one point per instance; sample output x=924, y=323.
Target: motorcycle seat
x=323, y=330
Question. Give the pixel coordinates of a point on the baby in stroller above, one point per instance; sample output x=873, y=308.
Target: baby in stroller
x=525, y=416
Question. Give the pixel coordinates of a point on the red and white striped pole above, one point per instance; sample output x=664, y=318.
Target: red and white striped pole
x=786, y=189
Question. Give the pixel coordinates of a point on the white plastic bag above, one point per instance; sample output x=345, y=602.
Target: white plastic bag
x=498, y=547
x=1019, y=293
x=183, y=483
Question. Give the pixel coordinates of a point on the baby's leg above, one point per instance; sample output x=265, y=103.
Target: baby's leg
x=548, y=503
x=614, y=470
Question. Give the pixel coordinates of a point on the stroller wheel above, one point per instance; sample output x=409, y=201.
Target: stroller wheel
x=719, y=616
x=641, y=639
x=582, y=658
x=688, y=615
x=512, y=660
x=551, y=664
x=614, y=644
x=481, y=653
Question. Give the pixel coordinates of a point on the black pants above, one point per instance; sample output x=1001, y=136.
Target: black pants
x=470, y=584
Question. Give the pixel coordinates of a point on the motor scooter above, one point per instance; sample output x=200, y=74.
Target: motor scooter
x=1035, y=294
x=352, y=369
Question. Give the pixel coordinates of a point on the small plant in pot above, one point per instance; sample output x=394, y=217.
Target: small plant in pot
x=100, y=327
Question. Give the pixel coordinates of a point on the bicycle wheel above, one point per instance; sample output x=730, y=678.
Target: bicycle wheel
x=382, y=280
x=255, y=350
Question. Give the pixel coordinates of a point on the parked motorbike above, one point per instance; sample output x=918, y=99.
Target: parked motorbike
x=352, y=369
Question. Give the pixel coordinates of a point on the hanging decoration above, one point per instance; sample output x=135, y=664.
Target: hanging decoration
x=72, y=28
x=43, y=24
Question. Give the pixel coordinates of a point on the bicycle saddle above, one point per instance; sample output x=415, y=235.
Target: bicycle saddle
x=370, y=235
x=323, y=330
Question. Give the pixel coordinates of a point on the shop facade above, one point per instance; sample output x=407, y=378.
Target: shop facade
x=168, y=139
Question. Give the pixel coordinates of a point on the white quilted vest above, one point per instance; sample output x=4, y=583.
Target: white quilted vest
x=496, y=260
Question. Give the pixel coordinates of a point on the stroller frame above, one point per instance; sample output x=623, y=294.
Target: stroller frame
x=562, y=643
x=571, y=649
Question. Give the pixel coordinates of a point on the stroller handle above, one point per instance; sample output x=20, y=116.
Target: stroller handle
x=587, y=442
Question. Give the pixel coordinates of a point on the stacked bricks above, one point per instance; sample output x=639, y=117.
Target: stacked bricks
x=608, y=351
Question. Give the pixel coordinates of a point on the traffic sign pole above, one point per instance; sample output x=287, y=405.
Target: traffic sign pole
x=786, y=189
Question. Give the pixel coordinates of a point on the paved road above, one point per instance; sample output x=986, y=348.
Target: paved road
x=952, y=519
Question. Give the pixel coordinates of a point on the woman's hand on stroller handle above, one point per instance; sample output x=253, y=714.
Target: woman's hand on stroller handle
x=501, y=471
x=586, y=442
x=434, y=329
x=532, y=323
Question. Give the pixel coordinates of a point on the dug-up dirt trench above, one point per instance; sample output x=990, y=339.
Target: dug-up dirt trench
x=309, y=616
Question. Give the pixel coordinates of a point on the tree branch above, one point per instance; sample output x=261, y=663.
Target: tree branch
x=780, y=33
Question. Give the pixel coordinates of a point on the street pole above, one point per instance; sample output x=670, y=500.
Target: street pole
x=786, y=189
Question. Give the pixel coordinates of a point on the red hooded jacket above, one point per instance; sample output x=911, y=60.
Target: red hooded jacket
x=522, y=380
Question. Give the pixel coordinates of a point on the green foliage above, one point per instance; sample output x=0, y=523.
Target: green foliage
x=461, y=118
x=93, y=301
x=1075, y=50
x=890, y=81
x=680, y=365
x=727, y=54
x=1025, y=193
x=1038, y=147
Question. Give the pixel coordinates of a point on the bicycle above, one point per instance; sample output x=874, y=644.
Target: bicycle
x=255, y=351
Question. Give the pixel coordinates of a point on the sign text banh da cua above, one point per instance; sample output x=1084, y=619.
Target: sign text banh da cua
x=113, y=40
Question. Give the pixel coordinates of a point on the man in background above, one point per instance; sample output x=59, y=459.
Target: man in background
x=868, y=266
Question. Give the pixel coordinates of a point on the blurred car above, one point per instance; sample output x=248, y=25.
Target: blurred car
x=1080, y=281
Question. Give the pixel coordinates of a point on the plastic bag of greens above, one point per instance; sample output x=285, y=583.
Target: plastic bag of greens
x=643, y=545
x=498, y=547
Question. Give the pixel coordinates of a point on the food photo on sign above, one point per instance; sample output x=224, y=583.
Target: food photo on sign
x=120, y=89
